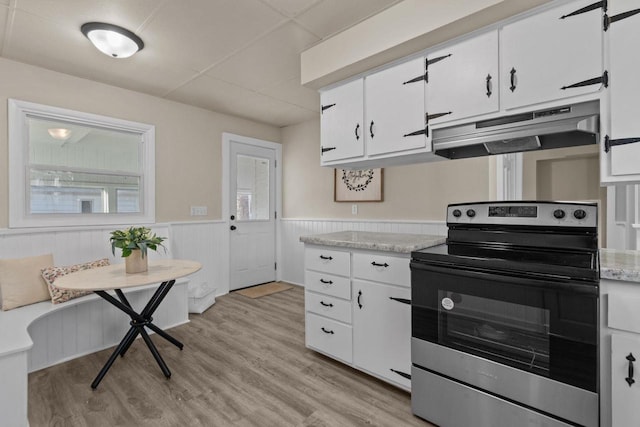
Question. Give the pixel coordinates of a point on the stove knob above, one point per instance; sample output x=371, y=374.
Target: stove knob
x=558, y=214
x=580, y=214
x=471, y=213
x=457, y=213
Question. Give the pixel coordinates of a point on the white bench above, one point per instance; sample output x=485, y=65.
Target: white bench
x=39, y=335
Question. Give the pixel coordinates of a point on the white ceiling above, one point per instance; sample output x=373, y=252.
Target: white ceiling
x=240, y=57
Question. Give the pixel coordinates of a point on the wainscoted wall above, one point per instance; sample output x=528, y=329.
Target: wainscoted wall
x=292, y=269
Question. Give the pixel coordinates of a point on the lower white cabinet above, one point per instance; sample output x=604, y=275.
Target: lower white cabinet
x=382, y=331
x=625, y=380
x=358, y=311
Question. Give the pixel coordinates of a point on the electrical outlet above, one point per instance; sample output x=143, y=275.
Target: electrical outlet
x=198, y=210
x=354, y=209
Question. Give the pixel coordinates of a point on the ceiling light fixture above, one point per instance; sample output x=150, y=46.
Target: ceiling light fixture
x=112, y=40
x=59, y=133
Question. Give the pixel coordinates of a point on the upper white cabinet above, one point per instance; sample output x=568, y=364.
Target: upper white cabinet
x=463, y=79
x=552, y=55
x=621, y=144
x=341, y=121
x=394, y=109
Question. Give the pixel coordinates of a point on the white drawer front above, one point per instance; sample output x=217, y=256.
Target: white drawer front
x=328, y=306
x=329, y=336
x=327, y=284
x=382, y=268
x=623, y=312
x=327, y=260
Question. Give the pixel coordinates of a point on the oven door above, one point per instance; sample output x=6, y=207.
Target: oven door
x=538, y=325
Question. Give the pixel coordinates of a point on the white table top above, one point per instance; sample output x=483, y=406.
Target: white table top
x=114, y=276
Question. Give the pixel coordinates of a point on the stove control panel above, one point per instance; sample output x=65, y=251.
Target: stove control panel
x=547, y=214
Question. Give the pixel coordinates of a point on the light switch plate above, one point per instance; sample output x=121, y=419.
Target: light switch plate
x=354, y=209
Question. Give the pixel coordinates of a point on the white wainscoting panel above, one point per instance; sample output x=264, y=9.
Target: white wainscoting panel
x=293, y=250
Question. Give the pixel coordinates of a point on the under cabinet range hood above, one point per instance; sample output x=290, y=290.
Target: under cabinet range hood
x=568, y=126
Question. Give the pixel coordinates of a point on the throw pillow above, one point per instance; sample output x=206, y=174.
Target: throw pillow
x=50, y=275
x=21, y=282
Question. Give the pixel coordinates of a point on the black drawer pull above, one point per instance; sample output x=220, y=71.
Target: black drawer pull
x=356, y=131
x=629, y=379
x=326, y=331
x=326, y=257
x=402, y=300
x=375, y=264
x=325, y=304
x=326, y=282
x=371, y=129
x=513, y=79
x=359, y=304
x=402, y=374
x=488, y=85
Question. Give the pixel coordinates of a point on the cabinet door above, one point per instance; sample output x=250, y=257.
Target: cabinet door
x=545, y=57
x=625, y=410
x=463, y=80
x=341, y=122
x=382, y=330
x=394, y=109
x=621, y=158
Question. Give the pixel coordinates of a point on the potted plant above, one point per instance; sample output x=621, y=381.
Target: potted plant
x=135, y=242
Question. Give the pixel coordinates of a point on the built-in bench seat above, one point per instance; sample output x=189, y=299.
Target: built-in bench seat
x=43, y=334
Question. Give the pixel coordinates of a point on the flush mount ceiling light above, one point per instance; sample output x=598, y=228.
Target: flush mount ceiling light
x=59, y=133
x=112, y=40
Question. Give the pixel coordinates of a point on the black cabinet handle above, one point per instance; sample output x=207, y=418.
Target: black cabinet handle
x=513, y=79
x=402, y=300
x=371, y=128
x=488, y=85
x=356, y=131
x=375, y=264
x=608, y=142
x=326, y=107
x=629, y=378
x=325, y=149
x=402, y=374
x=326, y=331
x=326, y=282
x=325, y=304
x=359, y=304
x=232, y=228
x=326, y=257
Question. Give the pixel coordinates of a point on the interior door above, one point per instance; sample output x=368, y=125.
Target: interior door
x=252, y=215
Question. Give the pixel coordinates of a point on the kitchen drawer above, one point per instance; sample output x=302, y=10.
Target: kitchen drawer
x=623, y=312
x=382, y=268
x=328, y=306
x=327, y=260
x=328, y=284
x=330, y=337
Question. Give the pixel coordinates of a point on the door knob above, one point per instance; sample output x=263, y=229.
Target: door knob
x=233, y=227
x=233, y=217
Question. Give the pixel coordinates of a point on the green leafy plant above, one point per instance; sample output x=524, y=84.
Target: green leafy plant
x=135, y=238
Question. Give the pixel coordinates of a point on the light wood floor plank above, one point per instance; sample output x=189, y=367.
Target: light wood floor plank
x=244, y=364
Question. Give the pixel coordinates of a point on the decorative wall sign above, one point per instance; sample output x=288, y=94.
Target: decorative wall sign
x=362, y=185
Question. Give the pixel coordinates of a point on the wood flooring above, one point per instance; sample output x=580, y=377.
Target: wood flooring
x=244, y=364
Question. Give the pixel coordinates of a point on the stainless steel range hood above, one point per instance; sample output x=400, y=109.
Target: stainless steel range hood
x=567, y=126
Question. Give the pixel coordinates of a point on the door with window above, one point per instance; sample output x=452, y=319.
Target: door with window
x=252, y=215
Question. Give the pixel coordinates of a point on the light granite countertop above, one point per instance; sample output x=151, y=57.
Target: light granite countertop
x=620, y=265
x=386, y=242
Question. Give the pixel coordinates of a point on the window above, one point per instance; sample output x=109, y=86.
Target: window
x=72, y=168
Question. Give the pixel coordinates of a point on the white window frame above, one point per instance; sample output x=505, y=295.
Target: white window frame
x=19, y=215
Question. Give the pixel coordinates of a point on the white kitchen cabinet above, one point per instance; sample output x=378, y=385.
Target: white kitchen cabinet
x=463, y=79
x=395, y=109
x=621, y=143
x=357, y=309
x=551, y=55
x=341, y=121
x=625, y=380
x=382, y=330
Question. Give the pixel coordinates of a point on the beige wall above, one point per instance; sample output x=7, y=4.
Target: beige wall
x=417, y=192
x=188, y=139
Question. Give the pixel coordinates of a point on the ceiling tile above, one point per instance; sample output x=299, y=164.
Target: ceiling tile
x=207, y=31
x=291, y=8
x=272, y=59
x=126, y=13
x=293, y=92
x=331, y=16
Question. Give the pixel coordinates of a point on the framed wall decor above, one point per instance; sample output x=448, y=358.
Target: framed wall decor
x=362, y=185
